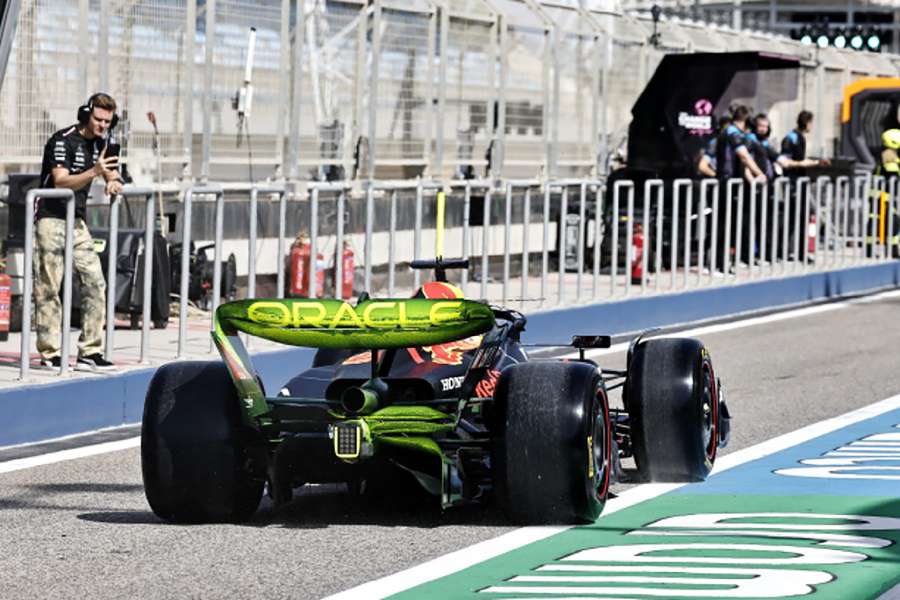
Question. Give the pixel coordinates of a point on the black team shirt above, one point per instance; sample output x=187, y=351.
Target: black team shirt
x=70, y=150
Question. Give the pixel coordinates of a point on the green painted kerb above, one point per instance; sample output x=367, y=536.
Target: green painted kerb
x=846, y=548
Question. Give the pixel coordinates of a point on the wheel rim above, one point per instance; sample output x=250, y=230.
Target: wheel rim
x=710, y=411
x=601, y=448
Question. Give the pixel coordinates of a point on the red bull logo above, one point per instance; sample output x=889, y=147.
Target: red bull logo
x=451, y=353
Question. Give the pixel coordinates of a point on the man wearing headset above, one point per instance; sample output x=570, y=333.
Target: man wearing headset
x=73, y=158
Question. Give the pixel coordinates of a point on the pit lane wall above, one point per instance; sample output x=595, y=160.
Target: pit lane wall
x=33, y=413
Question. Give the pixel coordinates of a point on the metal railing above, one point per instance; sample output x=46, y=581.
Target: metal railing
x=609, y=240
x=184, y=275
x=111, y=271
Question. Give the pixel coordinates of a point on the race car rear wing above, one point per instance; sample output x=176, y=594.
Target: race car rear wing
x=329, y=323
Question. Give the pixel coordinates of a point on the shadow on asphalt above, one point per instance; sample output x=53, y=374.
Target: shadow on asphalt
x=124, y=517
x=49, y=496
x=74, y=488
x=321, y=506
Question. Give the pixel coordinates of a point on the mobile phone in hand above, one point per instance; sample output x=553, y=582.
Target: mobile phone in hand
x=113, y=149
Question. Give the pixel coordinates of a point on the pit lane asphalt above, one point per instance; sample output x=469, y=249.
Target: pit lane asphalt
x=82, y=528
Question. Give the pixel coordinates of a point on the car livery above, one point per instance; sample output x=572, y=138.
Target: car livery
x=437, y=386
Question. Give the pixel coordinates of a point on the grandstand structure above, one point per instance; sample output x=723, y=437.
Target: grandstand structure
x=388, y=89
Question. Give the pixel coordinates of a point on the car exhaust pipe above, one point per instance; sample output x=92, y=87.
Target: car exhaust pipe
x=365, y=399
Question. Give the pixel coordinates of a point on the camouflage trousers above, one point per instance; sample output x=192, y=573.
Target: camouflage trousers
x=49, y=266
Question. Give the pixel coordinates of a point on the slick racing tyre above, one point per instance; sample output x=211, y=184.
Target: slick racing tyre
x=553, y=442
x=194, y=446
x=671, y=397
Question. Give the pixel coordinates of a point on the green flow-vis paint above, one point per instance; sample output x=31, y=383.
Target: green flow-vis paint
x=820, y=519
x=328, y=323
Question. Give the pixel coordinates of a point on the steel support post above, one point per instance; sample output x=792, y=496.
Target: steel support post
x=149, y=247
x=370, y=224
x=339, y=246
x=217, y=266
x=187, y=97
x=373, y=85
x=67, y=288
x=84, y=45
x=441, y=90
x=498, y=156
x=526, y=225
x=430, y=117
x=208, y=68
x=561, y=243
x=103, y=44
x=284, y=62
x=293, y=153
x=112, y=251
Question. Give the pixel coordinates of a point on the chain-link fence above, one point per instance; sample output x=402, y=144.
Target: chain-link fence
x=383, y=88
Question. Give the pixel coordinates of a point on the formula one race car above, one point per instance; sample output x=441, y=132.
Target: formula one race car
x=436, y=385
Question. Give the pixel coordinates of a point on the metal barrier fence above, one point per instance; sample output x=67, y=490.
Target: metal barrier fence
x=64, y=194
x=374, y=88
x=112, y=269
x=585, y=241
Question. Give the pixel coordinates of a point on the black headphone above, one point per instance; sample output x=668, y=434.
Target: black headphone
x=85, y=110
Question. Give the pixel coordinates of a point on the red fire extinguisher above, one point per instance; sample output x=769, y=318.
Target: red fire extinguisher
x=637, y=253
x=812, y=232
x=300, y=266
x=347, y=271
x=5, y=304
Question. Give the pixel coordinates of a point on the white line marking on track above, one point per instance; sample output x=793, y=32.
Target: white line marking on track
x=483, y=551
x=750, y=321
x=70, y=454
x=71, y=436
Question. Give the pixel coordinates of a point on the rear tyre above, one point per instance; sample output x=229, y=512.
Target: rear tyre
x=194, y=448
x=671, y=397
x=552, y=453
